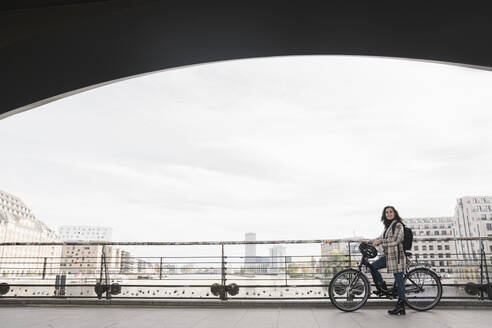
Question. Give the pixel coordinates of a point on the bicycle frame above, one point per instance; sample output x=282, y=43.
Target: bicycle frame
x=390, y=293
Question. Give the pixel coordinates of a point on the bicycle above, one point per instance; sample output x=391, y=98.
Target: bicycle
x=350, y=288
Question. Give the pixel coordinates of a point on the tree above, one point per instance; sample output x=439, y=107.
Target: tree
x=336, y=261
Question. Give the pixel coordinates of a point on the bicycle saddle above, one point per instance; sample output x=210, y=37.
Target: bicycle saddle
x=368, y=251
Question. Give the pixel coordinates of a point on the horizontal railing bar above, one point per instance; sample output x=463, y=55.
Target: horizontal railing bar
x=166, y=264
x=203, y=286
x=321, y=258
x=206, y=298
x=211, y=243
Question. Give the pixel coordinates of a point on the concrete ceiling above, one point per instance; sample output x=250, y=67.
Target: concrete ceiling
x=51, y=49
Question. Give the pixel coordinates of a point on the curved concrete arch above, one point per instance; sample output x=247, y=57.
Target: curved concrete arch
x=49, y=50
x=95, y=86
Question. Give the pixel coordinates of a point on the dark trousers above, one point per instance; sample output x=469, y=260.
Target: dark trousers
x=400, y=284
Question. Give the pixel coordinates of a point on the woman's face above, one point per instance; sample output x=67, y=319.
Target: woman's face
x=390, y=214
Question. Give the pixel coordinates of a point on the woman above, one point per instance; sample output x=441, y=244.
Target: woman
x=394, y=256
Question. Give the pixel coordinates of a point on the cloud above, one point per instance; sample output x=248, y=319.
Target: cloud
x=290, y=147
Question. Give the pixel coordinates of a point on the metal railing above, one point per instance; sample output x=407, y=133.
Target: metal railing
x=100, y=270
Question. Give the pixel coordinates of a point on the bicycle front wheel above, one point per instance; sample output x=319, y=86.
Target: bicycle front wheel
x=349, y=290
x=423, y=289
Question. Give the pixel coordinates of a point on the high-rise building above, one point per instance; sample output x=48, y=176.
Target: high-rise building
x=440, y=254
x=250, y=249
x=254, y=264
x=474, y=219
x=18, y=224
x=277, y=258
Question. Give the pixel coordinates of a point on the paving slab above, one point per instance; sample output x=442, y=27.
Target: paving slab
x=175, y=317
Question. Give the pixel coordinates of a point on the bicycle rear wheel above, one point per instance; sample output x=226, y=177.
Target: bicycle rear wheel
x=423, y=289
x=349, y=290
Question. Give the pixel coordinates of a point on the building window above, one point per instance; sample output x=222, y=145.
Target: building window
x=424, y=248
x=448, y=255
x=415, y=248
x=439, y=247
x=431, y=248
x=446, y=247
x=489, y=226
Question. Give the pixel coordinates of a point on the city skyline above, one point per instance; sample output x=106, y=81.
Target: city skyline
x=13, y=205
x=15, y=213
x=291, y=148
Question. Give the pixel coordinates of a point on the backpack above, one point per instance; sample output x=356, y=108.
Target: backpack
x=407, y=237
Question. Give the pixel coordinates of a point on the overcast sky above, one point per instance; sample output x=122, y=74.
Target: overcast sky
x=309, y=147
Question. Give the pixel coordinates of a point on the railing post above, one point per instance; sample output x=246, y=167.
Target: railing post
x=160, y=270
x=223, y=293
x=99, y=295
x=482, y=256
x=102, y=265
x=285, y=268
x=349, y=255
x=44, y=268
x=106, y=275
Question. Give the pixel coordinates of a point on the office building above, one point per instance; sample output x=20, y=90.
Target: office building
x=440, y=254
x=277, y=258
x=18, y=224
x=250, y=249
x=86, y=259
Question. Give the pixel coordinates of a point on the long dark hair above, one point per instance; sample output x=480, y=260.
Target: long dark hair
x=387, y=222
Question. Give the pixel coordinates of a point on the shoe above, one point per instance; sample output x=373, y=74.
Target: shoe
x=399, y=308
x=381, y=289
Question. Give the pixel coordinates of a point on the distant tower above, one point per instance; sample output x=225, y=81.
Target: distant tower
x=250, y=249
x=277, y=257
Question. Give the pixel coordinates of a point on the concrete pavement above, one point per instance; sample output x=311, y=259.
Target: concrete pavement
x=123, y=317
